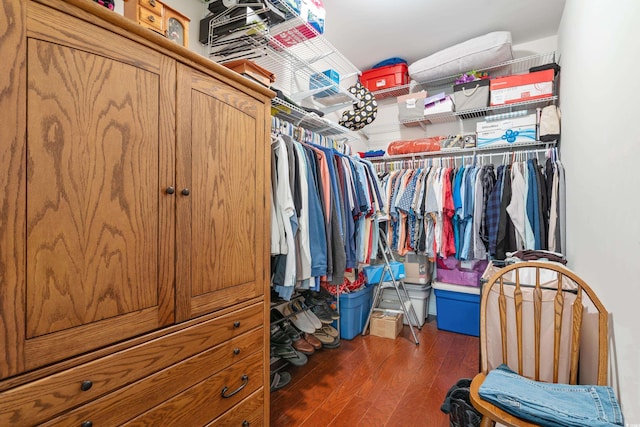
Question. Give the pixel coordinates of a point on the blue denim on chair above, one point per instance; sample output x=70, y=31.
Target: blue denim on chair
x=551, y=405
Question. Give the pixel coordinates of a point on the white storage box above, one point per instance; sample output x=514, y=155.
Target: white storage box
x=517, y=129
x=411, y=106
x=419, y=295
x=417, y=269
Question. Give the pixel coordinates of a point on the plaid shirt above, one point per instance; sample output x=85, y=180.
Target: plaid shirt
x=493, y=211
x=488, y=180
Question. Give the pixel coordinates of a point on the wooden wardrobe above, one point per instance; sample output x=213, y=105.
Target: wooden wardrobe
x=134, y=226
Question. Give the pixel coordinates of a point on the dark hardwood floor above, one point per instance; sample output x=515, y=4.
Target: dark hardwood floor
x=377, y=382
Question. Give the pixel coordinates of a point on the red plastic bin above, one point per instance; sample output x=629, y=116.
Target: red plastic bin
x=385, y=77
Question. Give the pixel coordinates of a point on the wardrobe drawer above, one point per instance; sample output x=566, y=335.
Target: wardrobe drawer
x=152, y=5
x=249, y=412
x=128, y=402
x=40, y=400
x=208, y=399
x=150, y=18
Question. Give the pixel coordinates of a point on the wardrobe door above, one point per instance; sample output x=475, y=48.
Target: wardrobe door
x=221, y=214
x=96, y=155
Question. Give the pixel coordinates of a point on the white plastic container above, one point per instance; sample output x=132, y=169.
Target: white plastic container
x=419, y=295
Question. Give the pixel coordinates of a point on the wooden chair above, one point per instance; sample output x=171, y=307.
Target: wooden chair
x=531, y=319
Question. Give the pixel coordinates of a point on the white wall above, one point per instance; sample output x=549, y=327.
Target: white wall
x=600, y=148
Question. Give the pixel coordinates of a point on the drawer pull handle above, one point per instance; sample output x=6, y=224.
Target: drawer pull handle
x=236, y=324
x=170, y=190
x=151, y=18
x=152, y=3
x=86, y=424
x=86, y=385
x=245, y=381
x=245, y=423
x=236, y=351
x=185, y=192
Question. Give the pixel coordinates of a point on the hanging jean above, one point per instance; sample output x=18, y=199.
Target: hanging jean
x=551, y=405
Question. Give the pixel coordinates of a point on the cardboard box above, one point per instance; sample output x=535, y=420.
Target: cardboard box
x=511, y=131
x=417, y=268
x=521, y=87
x=411, y=106
x=386, y=324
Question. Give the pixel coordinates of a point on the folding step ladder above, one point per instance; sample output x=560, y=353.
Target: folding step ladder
x=395, y=283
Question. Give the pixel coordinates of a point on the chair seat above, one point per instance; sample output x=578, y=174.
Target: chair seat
x=489, y=410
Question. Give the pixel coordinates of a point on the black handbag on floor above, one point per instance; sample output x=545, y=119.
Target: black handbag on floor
x=458, y=405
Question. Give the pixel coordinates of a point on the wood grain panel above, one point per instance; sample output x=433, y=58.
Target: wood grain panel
x=220, y=225
x=129, y=402
x=12, y=174
x=92, y=230
x=42, y=399
x=203, y=402
x=249, y=411
x=223, y=159
x=68, y=31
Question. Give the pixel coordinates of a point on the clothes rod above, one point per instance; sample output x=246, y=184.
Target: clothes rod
x=465, y=152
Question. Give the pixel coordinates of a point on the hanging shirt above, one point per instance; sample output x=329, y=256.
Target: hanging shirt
x=516, y=207
x=493, y=211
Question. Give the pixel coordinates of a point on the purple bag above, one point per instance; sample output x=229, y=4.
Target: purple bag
x=456, y=272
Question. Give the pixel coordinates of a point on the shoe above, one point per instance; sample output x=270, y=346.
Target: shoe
x=303, y=346
x=279, y=380
x=276, y=316
x=291, y=330
x=330, y=330
x=334, y=344
x=323, y=337
x=290, y=354
x=334, y=314
x=301, y=309
x=322, y=314
x=315, y=342
x=278, y=336
x=301, y=322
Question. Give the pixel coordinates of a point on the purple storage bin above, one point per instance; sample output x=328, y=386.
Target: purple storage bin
x=466, y=273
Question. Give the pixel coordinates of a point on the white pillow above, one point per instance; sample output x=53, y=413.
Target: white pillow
x=479, y=52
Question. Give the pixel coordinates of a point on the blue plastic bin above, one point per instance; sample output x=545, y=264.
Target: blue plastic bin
x=458, y=312
x=374, y=272
x=354, y=310
x=323, y=79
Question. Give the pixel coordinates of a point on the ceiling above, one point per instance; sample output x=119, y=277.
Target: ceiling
x=369, y=31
